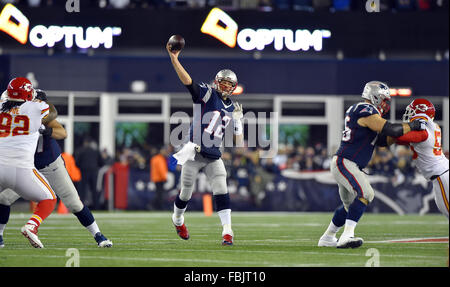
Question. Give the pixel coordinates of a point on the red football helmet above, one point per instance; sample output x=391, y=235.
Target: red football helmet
x=20, y=89
x=419, y=106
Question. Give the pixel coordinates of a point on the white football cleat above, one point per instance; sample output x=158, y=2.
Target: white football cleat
x=105, y=244
x=327, y=241
x=30, y=232
x=102, y=241
x=349, y=242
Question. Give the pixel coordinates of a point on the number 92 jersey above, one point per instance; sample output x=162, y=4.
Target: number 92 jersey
x=358, y=142
x=428, y=155
x=19, y=133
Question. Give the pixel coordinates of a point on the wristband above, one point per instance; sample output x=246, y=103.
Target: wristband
x=238, y=130
x=416, y=125
x=47, y=131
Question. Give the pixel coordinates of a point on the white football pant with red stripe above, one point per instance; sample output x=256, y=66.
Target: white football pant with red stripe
x=440, y=189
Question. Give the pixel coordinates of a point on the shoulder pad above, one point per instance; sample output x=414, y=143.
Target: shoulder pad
x=366, y=109
x=204, y=85
x=424, y=117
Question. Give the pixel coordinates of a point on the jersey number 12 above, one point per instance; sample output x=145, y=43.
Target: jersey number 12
x=220, y=128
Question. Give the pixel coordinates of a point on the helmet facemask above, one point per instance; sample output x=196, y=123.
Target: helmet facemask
x=384, y=106
x=226, y=88
x=409, y=113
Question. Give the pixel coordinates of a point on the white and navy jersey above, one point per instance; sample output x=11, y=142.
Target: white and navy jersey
x=48, y=150
x=19, y=133
x=428, y=155
x=211, y=117
x=358, y=142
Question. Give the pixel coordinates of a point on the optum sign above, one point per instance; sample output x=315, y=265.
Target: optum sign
x=16, y=24
x=91, y=37
x=221, y=26
x=301, y=39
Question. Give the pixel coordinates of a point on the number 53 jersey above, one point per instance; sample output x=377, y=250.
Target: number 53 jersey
x=428, y=155
x=19, y=133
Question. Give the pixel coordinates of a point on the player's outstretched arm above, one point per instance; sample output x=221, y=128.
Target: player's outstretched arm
x=411, y=137
x=53, y=113
x=378, y=124
x=55, y=130
x=184, y=77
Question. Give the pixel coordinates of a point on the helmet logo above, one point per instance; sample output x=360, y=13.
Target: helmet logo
x=27, y=87
x=383, y=87
x=422, y=107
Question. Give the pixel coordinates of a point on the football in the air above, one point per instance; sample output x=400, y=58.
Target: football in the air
x=176, y=42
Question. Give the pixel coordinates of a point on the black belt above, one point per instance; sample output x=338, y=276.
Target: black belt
x=436, y=176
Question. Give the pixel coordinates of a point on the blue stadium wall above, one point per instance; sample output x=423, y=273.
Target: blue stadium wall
x=308, y=191
x=288, y=76
x=360, y=35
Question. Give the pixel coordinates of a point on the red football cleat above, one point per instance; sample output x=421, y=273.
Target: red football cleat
x=182, y=231
x=30, y=232
x=227, y=239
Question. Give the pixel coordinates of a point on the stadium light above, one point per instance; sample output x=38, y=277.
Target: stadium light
x=402, y=92
x=239, y=90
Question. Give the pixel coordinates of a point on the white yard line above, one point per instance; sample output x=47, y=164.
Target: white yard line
x=381, y=255
x=196, y=260
x=411, y=239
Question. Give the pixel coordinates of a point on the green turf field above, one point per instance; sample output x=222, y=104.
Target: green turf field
x=261, y=240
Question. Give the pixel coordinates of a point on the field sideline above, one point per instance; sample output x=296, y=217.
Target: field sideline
x=278, y=239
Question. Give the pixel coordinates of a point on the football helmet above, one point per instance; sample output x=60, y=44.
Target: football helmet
x=41, y=95
x=419, y=106
x=20, y=90
x=379, y=95
x=225, y=75
x=4, y=96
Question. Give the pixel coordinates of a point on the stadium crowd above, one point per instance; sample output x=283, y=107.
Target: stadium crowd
x=246, y=168
x=263, y=5
x=298, y=158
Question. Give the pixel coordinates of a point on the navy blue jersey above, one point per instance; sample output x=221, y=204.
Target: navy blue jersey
x=47, y=151
x=358, y=142
x=211, y=117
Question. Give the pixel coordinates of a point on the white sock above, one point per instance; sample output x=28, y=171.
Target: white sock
x=32, y=222
x=225, y=219
x=2, y=228
x=349, y=229
x=177, y=217
x=93, y=228
x=332, y=229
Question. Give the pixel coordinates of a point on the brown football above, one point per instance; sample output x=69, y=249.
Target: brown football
x=176, y=42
